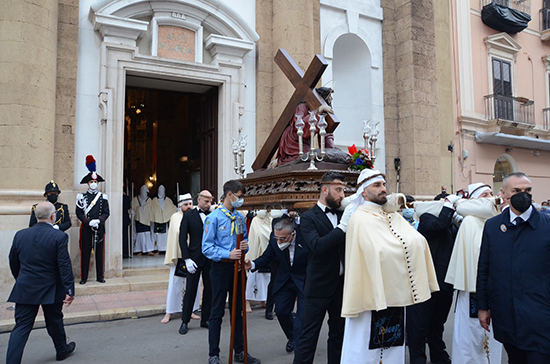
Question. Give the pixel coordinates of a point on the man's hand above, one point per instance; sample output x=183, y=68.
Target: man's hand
x=244, y=245
x=247, y=264
x=190, y=265
x=68, y=300
x=56, y=227
x=235, y=254
x=484, y=318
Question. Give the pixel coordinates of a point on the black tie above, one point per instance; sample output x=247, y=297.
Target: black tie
x=287, y=255
x=328, y=210
x=518, y=220
x=204, y=212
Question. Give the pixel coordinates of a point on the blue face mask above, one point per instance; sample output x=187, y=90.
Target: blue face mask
x=408, y=213
x=238, y=203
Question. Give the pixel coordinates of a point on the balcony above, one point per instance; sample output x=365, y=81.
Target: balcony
x=546, y=119
x=544, y=18
x=510, y=16
x=510, y=112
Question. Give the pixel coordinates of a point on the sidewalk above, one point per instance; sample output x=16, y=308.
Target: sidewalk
x=97, y=307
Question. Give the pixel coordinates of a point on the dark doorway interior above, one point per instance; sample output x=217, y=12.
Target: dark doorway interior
x=170, y=140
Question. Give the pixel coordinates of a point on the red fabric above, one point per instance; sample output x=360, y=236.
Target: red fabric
x=90, y=159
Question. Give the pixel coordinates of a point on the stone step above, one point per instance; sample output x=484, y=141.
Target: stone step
x=129, y=272
x=150, y=282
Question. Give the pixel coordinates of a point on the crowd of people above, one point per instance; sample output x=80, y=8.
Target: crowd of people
x=384, y=267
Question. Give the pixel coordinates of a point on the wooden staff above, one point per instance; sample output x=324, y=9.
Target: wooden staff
x=240, y=262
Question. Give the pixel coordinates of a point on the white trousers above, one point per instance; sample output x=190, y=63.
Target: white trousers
x=144, y=243
x=162, y=241
x=355, y=349
x=174, y=298
x=468, y=336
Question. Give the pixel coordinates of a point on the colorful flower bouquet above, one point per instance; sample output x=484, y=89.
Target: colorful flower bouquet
x=360, y=159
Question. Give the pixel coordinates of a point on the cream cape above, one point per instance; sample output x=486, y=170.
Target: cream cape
x=173, y=251
x=142, y=215
x=381, y=249
x=258, y=236
x=162, y=215
x=462, y=271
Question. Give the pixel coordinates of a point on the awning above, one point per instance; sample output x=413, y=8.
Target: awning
x=512, y=141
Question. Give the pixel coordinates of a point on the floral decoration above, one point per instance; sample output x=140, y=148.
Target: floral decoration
x=360, y=159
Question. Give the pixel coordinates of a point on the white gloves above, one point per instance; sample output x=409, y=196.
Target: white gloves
x=190, y=265
x=94, y=223
x=343, y=225
x=451, y=200
x=56, y=227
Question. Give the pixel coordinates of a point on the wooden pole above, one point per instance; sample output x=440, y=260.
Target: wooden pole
x=234, y=307
x=238, y=264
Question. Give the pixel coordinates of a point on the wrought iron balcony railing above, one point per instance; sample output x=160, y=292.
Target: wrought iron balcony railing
x=544, y=16
x=507, y=108
x=546, y=118
x=520, y=5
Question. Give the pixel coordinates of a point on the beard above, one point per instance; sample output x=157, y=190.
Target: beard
x=381, y=199
x=332, y=202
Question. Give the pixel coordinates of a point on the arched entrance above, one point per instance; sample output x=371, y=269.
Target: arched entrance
x=504, y=165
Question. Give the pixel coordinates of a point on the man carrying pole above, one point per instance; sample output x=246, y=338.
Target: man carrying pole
x=219, y=243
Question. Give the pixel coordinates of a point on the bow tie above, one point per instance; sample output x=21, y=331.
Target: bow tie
x=328, y=210
x=204, y=212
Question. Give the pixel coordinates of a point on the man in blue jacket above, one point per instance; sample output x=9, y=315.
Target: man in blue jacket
x=41, y=279
x=513, y=279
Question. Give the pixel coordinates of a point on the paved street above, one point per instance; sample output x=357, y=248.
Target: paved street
x=146, y=340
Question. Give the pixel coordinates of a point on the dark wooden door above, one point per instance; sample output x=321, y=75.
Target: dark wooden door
x=209, y=140
x=502, y=89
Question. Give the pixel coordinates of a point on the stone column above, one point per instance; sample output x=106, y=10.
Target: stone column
x=295, y=26
x=411, y=95
x=28, y=39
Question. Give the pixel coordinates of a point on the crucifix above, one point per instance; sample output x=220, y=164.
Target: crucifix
x=304, y=90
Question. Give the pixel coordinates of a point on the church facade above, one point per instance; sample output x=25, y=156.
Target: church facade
x=157, y=91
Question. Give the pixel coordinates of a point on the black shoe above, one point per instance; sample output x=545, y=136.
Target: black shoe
x=214, y=360
x=289, y=346
x=205, y=325
x=269, y=315
x=83, y=281
x=239, y=358
x=183, y=328
x=69, y=348
x=101, y=280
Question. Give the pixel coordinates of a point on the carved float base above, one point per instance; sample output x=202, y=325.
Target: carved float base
x=291, y=187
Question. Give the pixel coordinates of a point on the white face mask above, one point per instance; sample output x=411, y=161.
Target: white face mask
x=93, y=185
x=283, y=246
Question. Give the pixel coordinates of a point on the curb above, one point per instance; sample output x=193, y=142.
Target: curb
x=93, y=316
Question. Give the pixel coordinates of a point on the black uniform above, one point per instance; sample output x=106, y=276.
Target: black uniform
x=89, y=236
x=62, y=219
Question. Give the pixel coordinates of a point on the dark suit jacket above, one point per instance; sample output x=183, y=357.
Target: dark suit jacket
x=286, y=272
x=327, y=247
x=40, y=263
x=62, y=217
x=191, y=237
x=513, y=280
x=440, y=232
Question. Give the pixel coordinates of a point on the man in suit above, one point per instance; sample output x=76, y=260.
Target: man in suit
x=62, y=219
x=426, y=320
x=513, y=275
x=325, y=239
x=190, y=239
x=44, y=279
x=287, y=247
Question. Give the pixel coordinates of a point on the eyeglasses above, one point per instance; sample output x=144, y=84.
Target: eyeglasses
x=283, y=239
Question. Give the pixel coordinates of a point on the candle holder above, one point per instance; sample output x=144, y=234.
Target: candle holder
x=370, y=137
x=312, y=156
x=239, y=147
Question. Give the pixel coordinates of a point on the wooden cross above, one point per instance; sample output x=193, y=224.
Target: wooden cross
x=305, y=90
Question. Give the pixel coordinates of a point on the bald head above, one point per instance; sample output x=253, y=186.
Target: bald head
x=204, y=201
x=44, y=212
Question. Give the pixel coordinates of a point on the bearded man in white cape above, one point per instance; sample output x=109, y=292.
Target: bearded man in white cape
x=388, y=267
x=470, y=340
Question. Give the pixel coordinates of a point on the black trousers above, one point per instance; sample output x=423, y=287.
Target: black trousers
x=425, y=323
x=24, y=321
x=270, y=299
x=191, y=289
x=87, y=236
x=221, y=276
x=314, y=315
x=518, y=356
x=285, y=300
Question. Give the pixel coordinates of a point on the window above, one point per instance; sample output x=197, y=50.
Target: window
x=502, y=89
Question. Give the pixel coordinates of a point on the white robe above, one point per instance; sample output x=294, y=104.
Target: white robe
x=161, y=211
x=174, y=298
x=258, y=240
x=143, y=242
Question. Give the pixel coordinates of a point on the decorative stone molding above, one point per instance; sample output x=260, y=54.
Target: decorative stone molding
x=227, y=48
x=502, y=45
x=118, y=30
x=177, y=19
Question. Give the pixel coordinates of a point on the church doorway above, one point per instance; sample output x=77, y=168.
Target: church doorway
x=169, y=138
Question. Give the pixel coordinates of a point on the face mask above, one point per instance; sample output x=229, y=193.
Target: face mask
x=238, y=203
x=408, y=213
x=521, y=201
x=283, y=246
x=544, y=207
x=93, y=186
x=52, y=198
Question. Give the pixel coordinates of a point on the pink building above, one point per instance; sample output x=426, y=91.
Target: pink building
x=501, y=92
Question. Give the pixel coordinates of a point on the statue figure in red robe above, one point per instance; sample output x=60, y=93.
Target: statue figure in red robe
x=288, y=146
